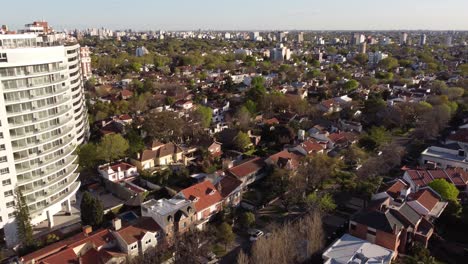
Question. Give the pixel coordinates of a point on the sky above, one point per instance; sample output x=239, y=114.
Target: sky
x=240, y=14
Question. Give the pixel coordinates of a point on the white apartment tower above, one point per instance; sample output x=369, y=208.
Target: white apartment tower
x=42, y=121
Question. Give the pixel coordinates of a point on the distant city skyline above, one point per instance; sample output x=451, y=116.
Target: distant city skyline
x=242, y=14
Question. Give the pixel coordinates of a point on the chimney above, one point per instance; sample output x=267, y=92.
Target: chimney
x=138, y=155
x=395, y=231
x=87, y=229
x=117, y=223
x=103, y=123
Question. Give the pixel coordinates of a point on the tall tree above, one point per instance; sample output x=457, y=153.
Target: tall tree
x=92, y=212
x=447, y=190
x=225, y=234
x=242, y=141
x=23, y=222
x=113, y=147
x=204, y=115
x=88, y=156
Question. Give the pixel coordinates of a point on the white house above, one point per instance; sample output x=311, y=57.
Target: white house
x=118, y=171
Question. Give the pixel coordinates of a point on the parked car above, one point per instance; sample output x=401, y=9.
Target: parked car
x=255, y=234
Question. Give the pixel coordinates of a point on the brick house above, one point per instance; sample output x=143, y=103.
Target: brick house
x=175, y=215
x=249, y=171
x=392, y=226
x=206, y=199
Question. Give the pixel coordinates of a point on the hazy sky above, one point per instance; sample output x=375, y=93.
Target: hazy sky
x=240, y=14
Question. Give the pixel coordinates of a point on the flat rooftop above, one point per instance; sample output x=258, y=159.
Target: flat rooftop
x=349, y=249
x=166, y=206
x=443, y=155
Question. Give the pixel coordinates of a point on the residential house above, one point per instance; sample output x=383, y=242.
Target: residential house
x=206, y=199
x=420, y=178
x=175, y=215
x=425, y=201
x=249, y=171
x=87, y=248
x=310, y=147
x=451, y=155
x=349, y=250
x=334, y=105
x=284, y=159
x=159, y=154
x=117, y=171
x=392, y=226
x=215, y=149
x=184, y=104
x=230, y=189
x=126, y=94
x=135, y=239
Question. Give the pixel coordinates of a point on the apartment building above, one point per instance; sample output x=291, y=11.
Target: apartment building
x=42, y=121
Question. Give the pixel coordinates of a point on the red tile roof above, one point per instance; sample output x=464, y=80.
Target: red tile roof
x=395, y=190
x=460, y=136
x=247, y=168
x=227, y=185
x=426, y=198
x=134, y=233
x=457, y=176
x=286, y=155
x=312, y=146
x=203, y=194
x=63, y=250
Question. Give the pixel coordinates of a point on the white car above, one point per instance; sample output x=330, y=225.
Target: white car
x=255, y=234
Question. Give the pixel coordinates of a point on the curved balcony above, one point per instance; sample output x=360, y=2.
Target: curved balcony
x=72, y=189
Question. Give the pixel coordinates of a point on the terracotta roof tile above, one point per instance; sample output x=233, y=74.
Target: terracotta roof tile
x=203, y=194
x=247, y=168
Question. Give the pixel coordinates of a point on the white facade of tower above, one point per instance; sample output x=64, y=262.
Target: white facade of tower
x=42, y=121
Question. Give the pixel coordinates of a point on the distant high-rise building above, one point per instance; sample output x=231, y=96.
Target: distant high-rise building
x=422, y=40
x=357, y=38
x=404, y=38
x=282, y=36
x=300, y=37
x=85, y=56
x=280, y=53
x=376, y=57
x=363, y=47
x=42, y=121
x=141, y=51
x=254, y=36
x=448, y=40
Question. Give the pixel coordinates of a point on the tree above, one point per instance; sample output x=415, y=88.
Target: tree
x=135, y=142
x=112, y=147
x=375, y=138
x=23, y=222
x=323, y=202
x=419, y=255
x=447, y=190
x=314, y=171
x=164, y=126
x=464, y=69
x=251, y=106
x=388, y=64
x=277, y=182
x=293, y=242
x=88, y=156
x=204, y=115
x=247, y=220
x=242, y=258
x=225, y=234
x=351, y=85
x=242, y=141
x=191, y=247
x=92, y=212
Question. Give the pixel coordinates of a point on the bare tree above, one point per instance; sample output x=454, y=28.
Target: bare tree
x=291, y=243
x=242, y=258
